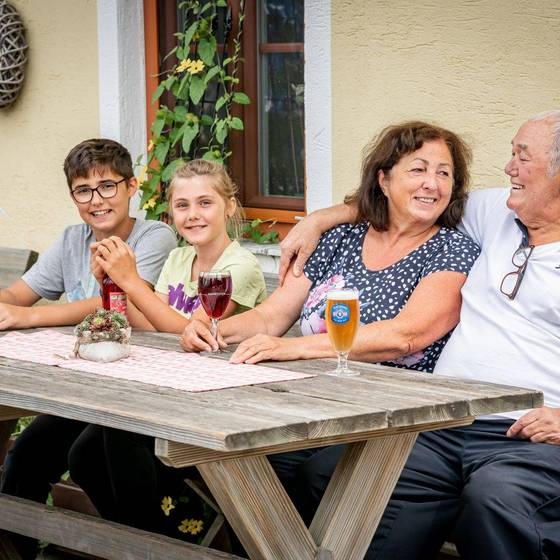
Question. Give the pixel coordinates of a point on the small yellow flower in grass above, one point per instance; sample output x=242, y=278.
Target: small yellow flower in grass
x=196, y=526
x=196, y=67
x=183, y=65
x=192, y=526
x=167, y=503
x=147, y=206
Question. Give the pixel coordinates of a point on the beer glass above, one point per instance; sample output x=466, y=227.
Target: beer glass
x=343, y=319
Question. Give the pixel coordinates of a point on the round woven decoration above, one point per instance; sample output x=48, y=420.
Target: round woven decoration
x=12, y=54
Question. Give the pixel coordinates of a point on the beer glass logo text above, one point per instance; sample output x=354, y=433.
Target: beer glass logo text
x=340, y=313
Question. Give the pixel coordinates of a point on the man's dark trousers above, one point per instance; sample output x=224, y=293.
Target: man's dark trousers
x=495, y=497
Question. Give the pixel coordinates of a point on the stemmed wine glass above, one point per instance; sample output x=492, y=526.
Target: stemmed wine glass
x=214, y=292
x=343, y=319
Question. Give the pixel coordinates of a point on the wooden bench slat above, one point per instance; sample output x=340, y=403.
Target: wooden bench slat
x=95, y=536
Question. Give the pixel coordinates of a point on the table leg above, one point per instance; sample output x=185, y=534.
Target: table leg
x=357, y=495
x=258, y=508
x=7, y=550
x=267, y=523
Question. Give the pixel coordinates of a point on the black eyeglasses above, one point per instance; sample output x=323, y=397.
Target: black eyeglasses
x=512, y=280
x=84, y=194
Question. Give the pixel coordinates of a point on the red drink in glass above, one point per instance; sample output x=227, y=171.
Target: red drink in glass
x=214, y=292
x=112, y=296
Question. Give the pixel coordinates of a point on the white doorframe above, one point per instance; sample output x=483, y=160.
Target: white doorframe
x=122, y=77
x=318, y=97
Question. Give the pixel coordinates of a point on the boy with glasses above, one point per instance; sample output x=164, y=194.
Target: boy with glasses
x=101, y=182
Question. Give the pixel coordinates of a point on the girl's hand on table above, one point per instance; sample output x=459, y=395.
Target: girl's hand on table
x=197, y=338
x=265, y=347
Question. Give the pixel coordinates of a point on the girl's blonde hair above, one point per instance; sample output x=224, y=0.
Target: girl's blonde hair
x=222, y=183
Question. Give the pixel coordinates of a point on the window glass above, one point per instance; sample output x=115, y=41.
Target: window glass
x=268, y=158
x=282, y=21
x=281, y=108
x=281, y=125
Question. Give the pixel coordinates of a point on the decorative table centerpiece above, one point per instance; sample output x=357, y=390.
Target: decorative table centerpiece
x=103, y=336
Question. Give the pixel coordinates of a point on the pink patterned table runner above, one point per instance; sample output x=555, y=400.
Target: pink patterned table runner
x=164, y=368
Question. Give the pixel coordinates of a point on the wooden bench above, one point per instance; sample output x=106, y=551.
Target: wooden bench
x=104, y=538
x=13, y=263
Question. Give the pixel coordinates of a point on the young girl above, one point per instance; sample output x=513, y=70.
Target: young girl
x=203, y=206
x=117, y=469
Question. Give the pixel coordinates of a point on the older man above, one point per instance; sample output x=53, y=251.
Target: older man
x=494, y=486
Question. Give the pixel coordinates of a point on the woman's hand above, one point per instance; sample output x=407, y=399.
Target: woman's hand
x=197, y=338
x=116, y=259
x=265, y=347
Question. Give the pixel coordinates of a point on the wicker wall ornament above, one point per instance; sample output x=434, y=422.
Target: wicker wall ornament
x=12, y=54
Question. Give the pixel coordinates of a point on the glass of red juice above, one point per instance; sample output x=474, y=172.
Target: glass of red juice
x=214, y=292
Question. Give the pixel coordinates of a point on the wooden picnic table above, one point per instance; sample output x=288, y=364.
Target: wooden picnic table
x=227, y=435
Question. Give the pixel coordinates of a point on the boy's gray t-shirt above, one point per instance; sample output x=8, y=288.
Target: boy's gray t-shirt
x=65, y=266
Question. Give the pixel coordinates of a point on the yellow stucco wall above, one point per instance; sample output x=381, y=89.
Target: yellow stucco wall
x=57, y=108
x=478, y=67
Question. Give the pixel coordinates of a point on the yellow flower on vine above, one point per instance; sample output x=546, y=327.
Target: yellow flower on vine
x=167, y=503
x=192, y=526
x=151, y=146
x=142, y=174
x=183, y=65
x=196, y=67
x=149, y=204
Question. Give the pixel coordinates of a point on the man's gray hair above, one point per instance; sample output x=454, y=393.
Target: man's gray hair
x=554, y=116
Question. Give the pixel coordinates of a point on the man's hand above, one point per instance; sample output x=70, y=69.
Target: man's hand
x=14, y=317
x=197, y=338
x=540, y=425
x=265, y=347
x=304, y=236
x=299, y=243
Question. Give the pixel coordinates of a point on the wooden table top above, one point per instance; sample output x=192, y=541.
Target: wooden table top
x=263, y=415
